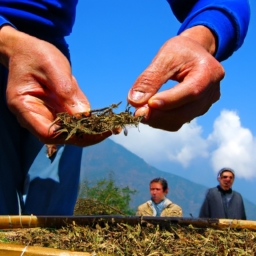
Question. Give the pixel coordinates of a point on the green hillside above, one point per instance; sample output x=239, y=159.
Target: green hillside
x=130, y=170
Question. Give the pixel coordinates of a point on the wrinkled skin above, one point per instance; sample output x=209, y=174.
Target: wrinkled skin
x=187, y=59
x=40, y=84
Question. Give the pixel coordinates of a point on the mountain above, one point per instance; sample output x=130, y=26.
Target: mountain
x=128, y=169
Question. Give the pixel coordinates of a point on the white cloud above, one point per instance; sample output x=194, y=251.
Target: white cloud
x=229, y=144
x=155, y=145
x=236, y=146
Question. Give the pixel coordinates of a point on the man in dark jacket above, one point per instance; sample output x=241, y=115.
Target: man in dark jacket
x=222, y=201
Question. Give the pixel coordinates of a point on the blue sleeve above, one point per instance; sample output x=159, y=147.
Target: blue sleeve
x=4, y=21
x=228, y=19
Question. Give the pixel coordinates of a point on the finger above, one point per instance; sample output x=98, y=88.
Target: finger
x=48, y=136
x=54, y=73
x=68, y=96
x=144, y=88
x=33, y=115
x=194, y=87
x=190, y=65
x=174, y=119
x=144, y=111
x=76, y=102
x=162, y=68
x=166, y=100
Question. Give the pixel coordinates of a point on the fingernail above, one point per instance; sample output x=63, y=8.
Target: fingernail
x=143, y=111
x=156, y=103
x=136, y=95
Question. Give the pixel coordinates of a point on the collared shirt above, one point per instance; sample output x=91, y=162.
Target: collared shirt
x=159, y=206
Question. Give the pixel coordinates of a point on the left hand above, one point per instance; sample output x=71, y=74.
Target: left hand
x=40, y=84
x=187, y=59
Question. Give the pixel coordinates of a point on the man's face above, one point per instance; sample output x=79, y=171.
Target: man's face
x=226, y=180
x=157, y=193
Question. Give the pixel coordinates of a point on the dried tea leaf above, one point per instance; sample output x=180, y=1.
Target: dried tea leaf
x=95, y=122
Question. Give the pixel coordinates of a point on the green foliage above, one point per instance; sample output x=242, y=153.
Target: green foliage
x=105, y=194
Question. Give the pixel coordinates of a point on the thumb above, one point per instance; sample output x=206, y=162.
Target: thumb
x=151, y=80
x=74, y=100
x=146, y=85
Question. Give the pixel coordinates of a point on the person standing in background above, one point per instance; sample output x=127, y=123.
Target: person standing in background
x=159, y=205
x=222, y=201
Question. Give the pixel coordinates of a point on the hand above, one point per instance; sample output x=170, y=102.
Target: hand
x=187, y=59
x=40, y=84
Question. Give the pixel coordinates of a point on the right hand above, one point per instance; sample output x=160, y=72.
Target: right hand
x=187, y=59
x=41, y=84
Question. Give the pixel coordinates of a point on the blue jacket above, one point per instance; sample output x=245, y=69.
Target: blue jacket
x=228, y=19
x=54, y=17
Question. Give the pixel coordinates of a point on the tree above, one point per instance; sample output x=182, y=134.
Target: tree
x=104, y=197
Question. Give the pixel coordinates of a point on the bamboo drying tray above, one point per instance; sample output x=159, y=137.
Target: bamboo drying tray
x=31, y=221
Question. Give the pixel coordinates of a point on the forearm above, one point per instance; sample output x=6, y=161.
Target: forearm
x=204, y=36
x=228, y=20
x=7, y=35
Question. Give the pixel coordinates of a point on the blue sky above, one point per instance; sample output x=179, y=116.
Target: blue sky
x=114, y=41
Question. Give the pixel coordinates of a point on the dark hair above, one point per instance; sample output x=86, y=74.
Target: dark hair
x=162, y=181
